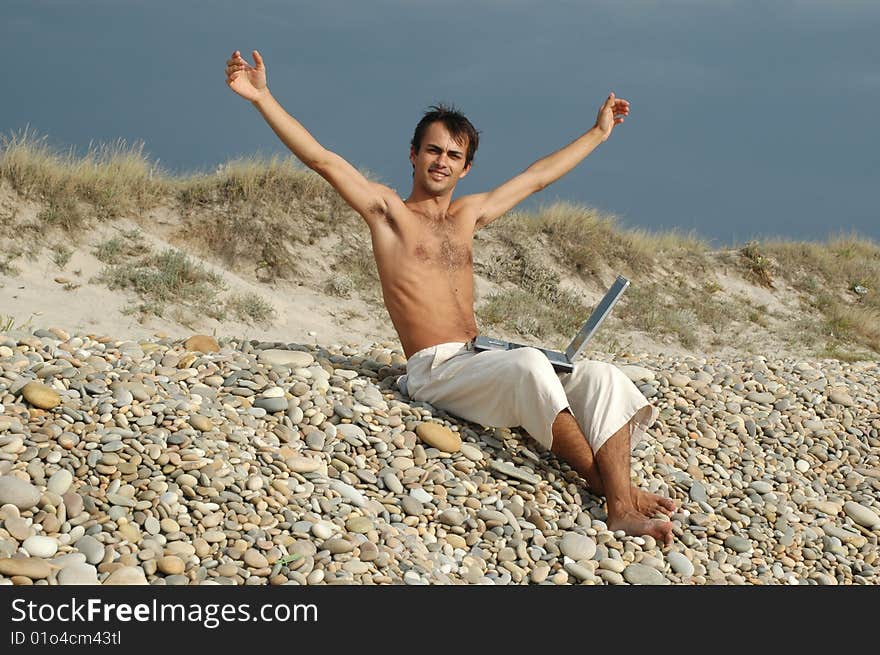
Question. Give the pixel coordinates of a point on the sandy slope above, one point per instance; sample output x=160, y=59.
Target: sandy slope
x=43, y=294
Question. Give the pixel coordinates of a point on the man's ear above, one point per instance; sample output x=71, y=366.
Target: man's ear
x=467, y=169
x=412, y=157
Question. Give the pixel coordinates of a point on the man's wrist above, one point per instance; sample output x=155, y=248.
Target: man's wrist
x=262, y=95
x=597, y=133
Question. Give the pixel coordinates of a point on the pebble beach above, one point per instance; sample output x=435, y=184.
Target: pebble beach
x=205, y=462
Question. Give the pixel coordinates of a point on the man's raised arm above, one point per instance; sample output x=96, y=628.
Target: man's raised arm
x=365, y=197
x=547, y=170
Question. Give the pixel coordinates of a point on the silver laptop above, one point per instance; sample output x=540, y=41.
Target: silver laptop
x=564, y=362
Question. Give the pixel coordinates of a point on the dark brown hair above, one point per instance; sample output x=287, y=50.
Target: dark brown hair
x=454, y=121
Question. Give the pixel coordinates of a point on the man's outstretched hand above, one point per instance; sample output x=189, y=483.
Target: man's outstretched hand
x=247, y=81
x=611, y=114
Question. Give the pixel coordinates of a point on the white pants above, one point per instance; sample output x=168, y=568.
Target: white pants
x=520, y=388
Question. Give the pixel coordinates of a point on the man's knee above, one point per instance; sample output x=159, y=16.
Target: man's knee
x=592, y=366
x=531, y=360
x=597, y=372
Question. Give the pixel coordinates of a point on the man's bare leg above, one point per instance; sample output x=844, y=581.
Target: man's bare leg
x=629, y=508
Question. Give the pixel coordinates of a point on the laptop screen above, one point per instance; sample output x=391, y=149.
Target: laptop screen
x=599, y=314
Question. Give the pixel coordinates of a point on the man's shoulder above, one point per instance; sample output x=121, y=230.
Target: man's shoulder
x=467, y=206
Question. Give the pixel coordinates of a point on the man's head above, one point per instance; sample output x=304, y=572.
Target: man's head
x=442, y=150
x=455, y=123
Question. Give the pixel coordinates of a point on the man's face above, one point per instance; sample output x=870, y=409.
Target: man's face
x=439, y=163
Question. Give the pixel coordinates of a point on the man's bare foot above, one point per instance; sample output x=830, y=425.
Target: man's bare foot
x=651, y=504
x=636, y=525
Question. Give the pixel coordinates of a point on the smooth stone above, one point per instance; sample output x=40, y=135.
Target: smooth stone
x=707, y=442
x=403, y=464
x=300, y=464
x=680, y=564
x=698, y=493
x=609, y=564
x=642, y=575
x=322, y=530
x=456, y=541
x=169, y=525
x=78, y=574
x=412, y=578
x=337, y=545
x=349, y=493
x=392, y=483
x=356, y=567
x=638, y=373
x=201, y=423
x=40, y=395
x=292, y=358
x=828, y=507
x=181, y=549
x=122, y=397
x=411, y=506
x=439, y=436
x=578, y=571
x=171, y=565
x=539, y=574
x=15, y=491
x=761, y=486
x=13, y=445
x=451, y=517
x=202, y=343
x=30, y=567
x=315, y=441
x=60, y=482
x=510, y=470
x=187, y=480
x=91, y=548
x=17, y=527
x=255, y=559
x=152, y=525
x=121, y=501
x=577, y=546
x=369, y=552
x=40, y=546
x=862, y=515
x=471, y=452
x=352, y=431
x=271, y=405
x=846, y=536
x=68, y=558
x=127, y=575
x=764, y=398
x=421, y=495
x=841, y=398
x=273, y=392
x=737, y=543
x=359, y=524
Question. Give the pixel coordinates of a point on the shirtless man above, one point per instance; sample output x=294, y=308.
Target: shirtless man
x=423, y=251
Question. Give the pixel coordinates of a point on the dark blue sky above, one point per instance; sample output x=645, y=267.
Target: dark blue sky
x=749, y=119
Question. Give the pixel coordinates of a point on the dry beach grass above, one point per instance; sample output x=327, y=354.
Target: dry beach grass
x=280, y=227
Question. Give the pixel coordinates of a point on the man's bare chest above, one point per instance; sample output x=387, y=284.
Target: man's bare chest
x=441, y=244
